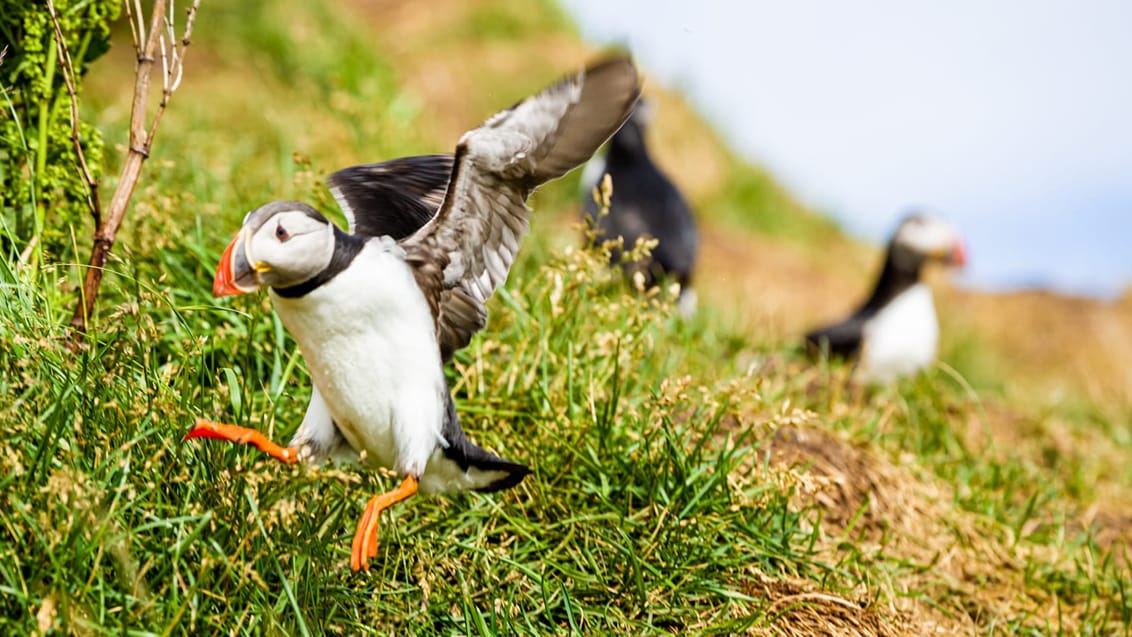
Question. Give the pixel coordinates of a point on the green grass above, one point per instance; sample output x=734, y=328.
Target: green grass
x=115, y=522
x=656, y=504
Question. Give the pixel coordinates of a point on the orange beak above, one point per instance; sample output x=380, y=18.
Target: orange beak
x=234, y=275
x=958, y=254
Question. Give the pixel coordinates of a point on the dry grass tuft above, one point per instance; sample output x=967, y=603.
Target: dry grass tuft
x=850, y=488
x=796, y=608
x=962, y=571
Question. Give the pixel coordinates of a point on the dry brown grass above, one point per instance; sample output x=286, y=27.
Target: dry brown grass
x=973, y=569
x=799, y=609
x=1054, y=343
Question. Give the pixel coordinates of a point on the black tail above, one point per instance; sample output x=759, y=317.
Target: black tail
x=468, y=455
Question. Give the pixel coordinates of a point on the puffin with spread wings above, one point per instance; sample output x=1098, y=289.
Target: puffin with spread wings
x=378, y=310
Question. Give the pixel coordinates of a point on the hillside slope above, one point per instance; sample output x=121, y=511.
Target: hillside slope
x=767, y=261
x=772, y=268
x=692, y=477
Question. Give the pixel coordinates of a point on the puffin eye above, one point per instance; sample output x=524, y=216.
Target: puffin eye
x=281, y=234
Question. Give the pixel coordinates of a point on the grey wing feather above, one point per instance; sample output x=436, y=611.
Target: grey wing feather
x=467, y=249
x=394, y=198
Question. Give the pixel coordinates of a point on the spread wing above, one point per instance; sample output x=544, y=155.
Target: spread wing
x=393, y=198
x=466, y=250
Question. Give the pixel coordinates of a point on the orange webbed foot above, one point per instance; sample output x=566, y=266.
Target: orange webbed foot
x=242, y=436
x=365, y=539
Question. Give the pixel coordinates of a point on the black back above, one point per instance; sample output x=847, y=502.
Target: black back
x=391, y=198
x=844, y=339
x=645, y=203
x=466, y=454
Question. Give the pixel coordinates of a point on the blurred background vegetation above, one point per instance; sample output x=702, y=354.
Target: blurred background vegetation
x=38, y=175
x=697, y=476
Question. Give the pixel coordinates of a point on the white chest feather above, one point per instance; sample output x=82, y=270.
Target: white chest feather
x=902, y=338
x=591, y=174
x=369, y=341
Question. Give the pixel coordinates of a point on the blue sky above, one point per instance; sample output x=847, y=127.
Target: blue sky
x=1011, y=118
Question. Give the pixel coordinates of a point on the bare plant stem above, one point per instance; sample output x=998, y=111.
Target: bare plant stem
x=72, y=90
x=156, y=47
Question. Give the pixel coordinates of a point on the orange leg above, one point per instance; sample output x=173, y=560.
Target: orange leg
x=365, y=540
x=243, y=436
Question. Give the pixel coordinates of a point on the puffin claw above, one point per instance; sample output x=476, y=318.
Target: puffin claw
x=365, y=538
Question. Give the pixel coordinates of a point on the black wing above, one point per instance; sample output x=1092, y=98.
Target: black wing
x=468, y=455
x=394, y=198
x=842, y=339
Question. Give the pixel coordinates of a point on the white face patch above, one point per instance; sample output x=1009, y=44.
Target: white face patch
x=926, y=236
x=290, y=248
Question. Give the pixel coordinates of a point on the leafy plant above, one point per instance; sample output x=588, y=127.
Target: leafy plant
x=43, y=193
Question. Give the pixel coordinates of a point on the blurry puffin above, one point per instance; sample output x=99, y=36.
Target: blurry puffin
x=379, y=310
x=644, y=204
x=895, y=332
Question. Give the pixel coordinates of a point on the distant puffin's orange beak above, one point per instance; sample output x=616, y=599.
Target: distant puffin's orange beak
x=234, y=275
x=958, y=254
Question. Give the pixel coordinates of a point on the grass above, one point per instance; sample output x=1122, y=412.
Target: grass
x=690, y=476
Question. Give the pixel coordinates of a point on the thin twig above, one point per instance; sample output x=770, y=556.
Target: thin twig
x=192, y=16
x=164, y=66
x=92, y=200
x=139, y=29
x=172, y=70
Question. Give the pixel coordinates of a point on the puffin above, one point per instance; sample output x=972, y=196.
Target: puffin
x=645, y=203
x=895, y=332
x=379, y=309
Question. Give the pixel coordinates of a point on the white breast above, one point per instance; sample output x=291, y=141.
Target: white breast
x=369, y=341
x=591, y=174
x=902, y=338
